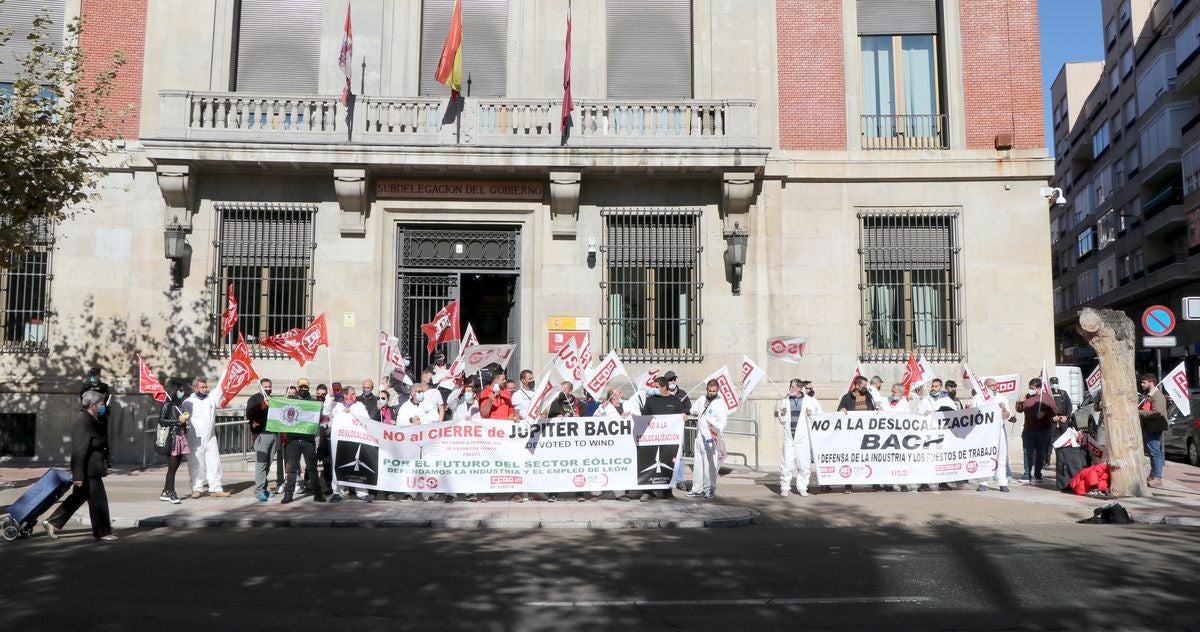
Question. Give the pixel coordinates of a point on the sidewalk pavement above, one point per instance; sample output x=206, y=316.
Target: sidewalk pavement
x=745, y=498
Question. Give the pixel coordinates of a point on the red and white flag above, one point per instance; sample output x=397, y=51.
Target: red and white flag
x=1006, y=384
x=858, y=372
x=647, y=378
x=480, y=356
x=229, y=318
x=977, y=384
x=1175, y=385
x=787, y=348
x=391, y=350
x=568, y=103
x=912, y=373
x=1045, y=380
x=300, y=344
x=443, y=327
x=1094, y=383
x=149, y=384
x=542, y=394
x=238, y=373
x=608, y=368
x=584, y=367
x=725, y=387
x=346, y=56
x=752, y=374
x=567, y=363
x=469, y=339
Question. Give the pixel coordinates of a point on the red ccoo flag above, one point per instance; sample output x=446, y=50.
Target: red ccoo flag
x=149, y=384
x=568, y=103
x=346, y=56
x=444, y=326
x=300, y=344
x=449, y=68
x=229, y=318
x=912, y=374
x=238, y=373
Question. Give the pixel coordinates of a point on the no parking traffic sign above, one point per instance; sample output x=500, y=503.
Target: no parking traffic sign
x=1158, y=320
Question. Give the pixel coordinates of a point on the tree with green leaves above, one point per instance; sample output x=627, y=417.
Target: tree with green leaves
x=53, y=130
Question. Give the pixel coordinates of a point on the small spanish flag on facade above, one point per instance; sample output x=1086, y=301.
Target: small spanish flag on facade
x=449, y=68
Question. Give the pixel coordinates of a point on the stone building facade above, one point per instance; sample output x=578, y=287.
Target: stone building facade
x=889, y=191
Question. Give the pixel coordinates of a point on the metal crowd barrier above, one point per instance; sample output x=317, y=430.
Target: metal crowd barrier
x=231, y=429
x=735, y=426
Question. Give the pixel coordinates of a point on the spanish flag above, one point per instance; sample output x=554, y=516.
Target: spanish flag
x=449, y=68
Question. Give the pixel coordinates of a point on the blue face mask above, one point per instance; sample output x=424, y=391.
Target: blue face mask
x=469, y=397
x=101, y=410
x=421, y=396
x=178, y=394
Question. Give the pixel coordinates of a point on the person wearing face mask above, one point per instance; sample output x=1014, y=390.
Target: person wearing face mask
x=1001, y=476
x=858, y=399
x=169, y=416
x=663, y=401
x=896, y=402
x=495, y=402
x=204, y=460
x=673, y=386
x=369, y=399
x=88, y=444
x=266, y=443
x=793, y=412
x=711, y=418
x=566, y=404
x=416, y=410
x=302, y=391
x=1039, y=410
x=93, y=383
x=523, y=397
x=468, y=405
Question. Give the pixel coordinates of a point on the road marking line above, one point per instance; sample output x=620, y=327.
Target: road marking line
x=728, y=602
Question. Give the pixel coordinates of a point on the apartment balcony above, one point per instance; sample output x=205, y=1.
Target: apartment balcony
x=1166, y=220
x=904, y=131
x=257, y=128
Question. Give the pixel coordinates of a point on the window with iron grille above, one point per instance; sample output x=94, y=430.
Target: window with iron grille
x=910, y=284
x=265, y=251
x=652, y=284
x=18, y=434
x=25, y=293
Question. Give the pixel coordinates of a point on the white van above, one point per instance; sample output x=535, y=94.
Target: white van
x=1070, y=379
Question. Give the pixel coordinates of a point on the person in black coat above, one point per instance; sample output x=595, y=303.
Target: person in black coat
x=88, y=446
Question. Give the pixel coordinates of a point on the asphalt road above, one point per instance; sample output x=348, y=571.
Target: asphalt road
x=953, y=577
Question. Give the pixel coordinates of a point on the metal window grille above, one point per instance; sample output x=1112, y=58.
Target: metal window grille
x=25, y=293
x=910, y=284
x=265, y=250
x=652, y=284
x=18, y=434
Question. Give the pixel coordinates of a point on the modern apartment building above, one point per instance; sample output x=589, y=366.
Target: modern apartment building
x=851, y=171
x=1127, y=157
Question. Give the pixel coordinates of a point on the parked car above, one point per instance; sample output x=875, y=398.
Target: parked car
x=1182, y=437
x=1088, y=416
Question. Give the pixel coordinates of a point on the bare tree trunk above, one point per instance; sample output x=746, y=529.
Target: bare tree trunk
x=1112, y=335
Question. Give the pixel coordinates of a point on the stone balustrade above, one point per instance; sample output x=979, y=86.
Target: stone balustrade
x=237, y=117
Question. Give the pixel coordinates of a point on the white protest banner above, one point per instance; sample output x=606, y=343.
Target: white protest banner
x=1175, y=385
x=787, y=348
x=492, y=456
x=1006, y=384
x=480, y=356
x=725, y=384
x=752, y=374
x=604, y=373
x=542, y=390
x=906, y=448
x=1094, y=383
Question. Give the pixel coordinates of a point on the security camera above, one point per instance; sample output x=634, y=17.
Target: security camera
x=1055, y=196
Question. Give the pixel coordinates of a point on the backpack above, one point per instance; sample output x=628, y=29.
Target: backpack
x=1112, y=513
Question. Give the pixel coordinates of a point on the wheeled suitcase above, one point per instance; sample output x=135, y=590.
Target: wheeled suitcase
x=23, y=515
x=1069, y=462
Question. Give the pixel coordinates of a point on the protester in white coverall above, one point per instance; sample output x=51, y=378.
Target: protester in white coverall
x=896, y=402
x=711, y=417
x=1001, y=476
x=204, y=460
x=794, y=412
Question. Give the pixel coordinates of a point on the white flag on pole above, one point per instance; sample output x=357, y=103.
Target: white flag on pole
x=752, y=374
x=1175, y=384
x=725, y=385
x=603, y=375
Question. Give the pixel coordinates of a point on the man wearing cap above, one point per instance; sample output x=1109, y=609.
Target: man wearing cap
x=793, y=413
x=663, y=402
x=673, y=391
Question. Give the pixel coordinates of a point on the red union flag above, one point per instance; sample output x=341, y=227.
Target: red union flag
x=229, y=318
x=443, y=327
x=1175, y=384
x=543, y=390
x=300, y=344
x=725, y=385
x=604, y=373
x=858, y=372
x=238, y=373
x=480, y=356
x=149, y=384
x=787, y=348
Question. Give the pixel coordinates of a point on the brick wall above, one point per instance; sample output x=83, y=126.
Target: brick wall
x=1002, y=76
x=108, y=26
x=812, y=90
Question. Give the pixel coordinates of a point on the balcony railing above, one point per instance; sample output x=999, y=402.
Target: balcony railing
x=235, y=117
x=904, y=131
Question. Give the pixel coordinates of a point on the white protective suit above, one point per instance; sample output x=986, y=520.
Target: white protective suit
x=709, y=449
x=1001, y=476
x=797, y=448
x=204, y=460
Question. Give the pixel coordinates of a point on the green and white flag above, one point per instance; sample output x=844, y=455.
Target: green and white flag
x=293, y=416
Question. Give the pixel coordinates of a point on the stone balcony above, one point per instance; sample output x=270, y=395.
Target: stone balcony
x=198, y=118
